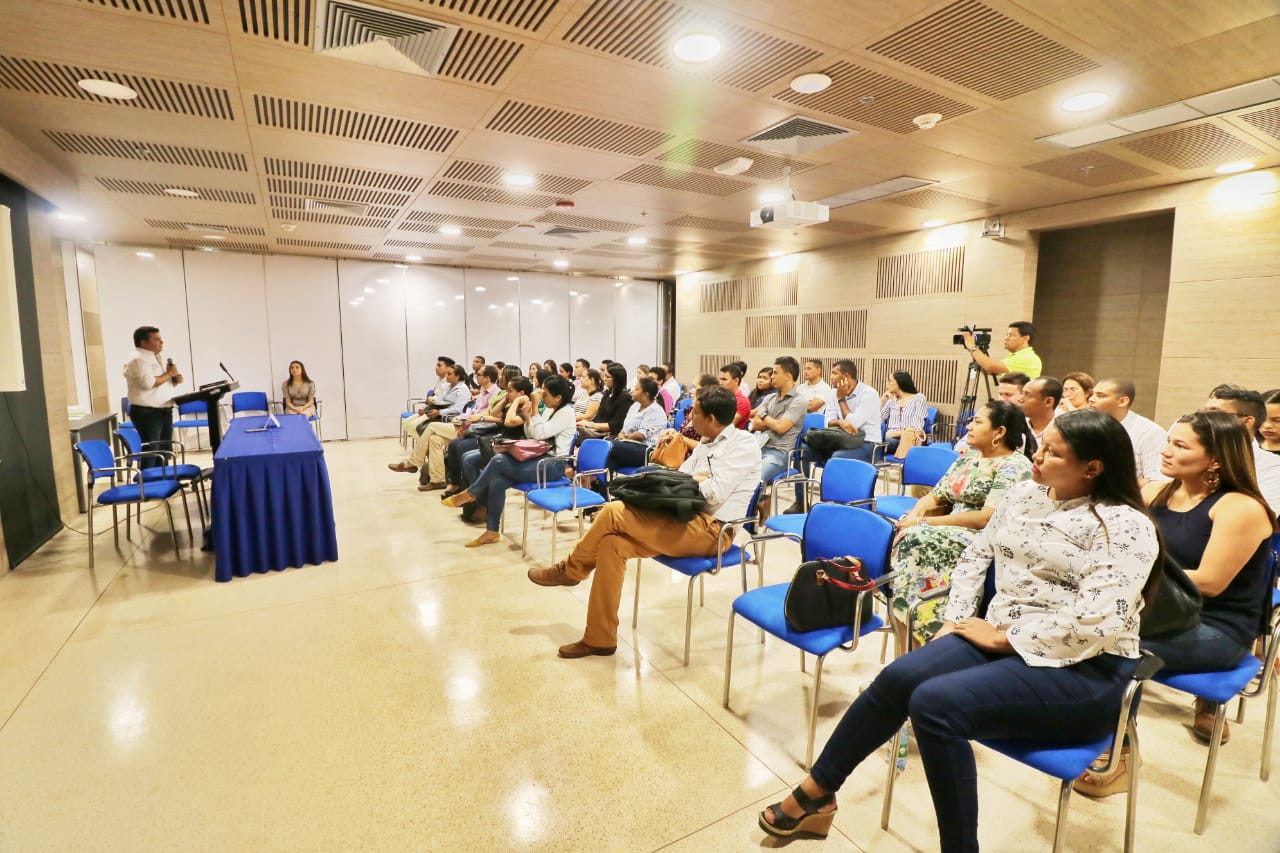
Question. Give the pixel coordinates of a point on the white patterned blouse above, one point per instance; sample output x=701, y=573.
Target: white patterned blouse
x=1069, y=576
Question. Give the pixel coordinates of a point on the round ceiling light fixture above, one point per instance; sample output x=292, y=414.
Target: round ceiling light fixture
x=1233, y=168
x=145, y=255
x=776, y=253
x=107, y=89
x=1085, y=101
x=933, y=223
x=637, y=241
x=696, y=47
x=526, y=226
x=560, y=263
x=810, y=84
x=413, y=257
x=518, y=179
x=212, y=237
x=181, y=193
x=513, y=278
x=450, y=230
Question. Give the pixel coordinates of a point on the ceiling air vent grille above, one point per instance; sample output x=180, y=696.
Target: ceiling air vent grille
x=287, y=114
x=324, y=244
x=588, y=222
x=119, y=185
x=569, y=128
x=181, y=10
x=150, y=152
x=166, y=96
x=862, y=95
x=175, y=225
x=427, y=228
x=342, y=175
x=431, y=247
x=565, y=231
x=798, y=135
x=477, y=57
x=873, y=191
x=373, y=36
x=228, y=245
x=334, y=191
x=280, y=20
x=704, y=223
x=335, y=206
x=521, y=14
x=643, y=30
x=973, y=45
x=939, y=200
x=519, y=247
x=1267, y=121
x=329, y=219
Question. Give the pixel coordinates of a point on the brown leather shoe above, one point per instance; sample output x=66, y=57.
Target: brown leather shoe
x=403, y=467
x=430, y=487
x=552, y=576
x=582, y=650
x=1202, y=728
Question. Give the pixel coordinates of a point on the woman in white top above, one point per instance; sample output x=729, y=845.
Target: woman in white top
x=903, y=409
x=555, y=425
x=1073, y=553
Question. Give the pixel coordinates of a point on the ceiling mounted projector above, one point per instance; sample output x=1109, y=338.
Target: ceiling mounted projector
x=790, y=214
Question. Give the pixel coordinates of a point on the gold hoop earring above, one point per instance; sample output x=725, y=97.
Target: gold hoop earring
x=1212, y=478
x=995, y=444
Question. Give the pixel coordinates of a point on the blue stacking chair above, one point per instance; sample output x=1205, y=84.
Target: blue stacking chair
x=851, y=482
x=572, y=498
x=124, y=412
x=923, y=466
x=542, y=482
x=831, y=530
x=882, y=446
x=410, y=409
x=249, y=401
x=699, y=567
x=193, y=415
x=173, y=469
x=103, y=465
x=1224, y=685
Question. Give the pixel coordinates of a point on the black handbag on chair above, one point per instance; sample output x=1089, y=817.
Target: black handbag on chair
x=1177, y=604
x=824, y=594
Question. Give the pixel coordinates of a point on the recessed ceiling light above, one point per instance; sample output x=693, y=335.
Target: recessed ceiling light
x=355, y=302
x=1085, y=101
x=459, y=297
x=535, y=301
x=213, y=237
x=560, y=263
x=518, y=179
x=637, y=241
x=401, y=266
x=511, y=305
x=480, y=290
x=207, y=249
x=491, y=305
x=513, y=278
x=682, y=272
x=933, y=223
x=451, y=230
x=808, y=84
x=370, y=290
x=573, y=293
x=413, y=257
x=439, y=304
x=696, y=47
x=181, y=193
x=619, y=283
x=776, y=254
x=771, y=197
x=107, y=89
x=383, y=280
x=145, y=254
x=68, y=216
x=1232, y=168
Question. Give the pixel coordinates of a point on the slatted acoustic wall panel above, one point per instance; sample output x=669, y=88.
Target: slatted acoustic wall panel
x=936, y=378
x=771, y=331
x=834, y=329
x=772, y=290
x=920, y=273
x=712, y=363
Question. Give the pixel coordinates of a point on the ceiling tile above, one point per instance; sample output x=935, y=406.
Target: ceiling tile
x=585, y=131
x=863, y=95
x=1091, y=168
x=1193, y=147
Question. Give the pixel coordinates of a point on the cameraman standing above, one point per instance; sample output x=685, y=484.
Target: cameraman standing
x=1022, y=356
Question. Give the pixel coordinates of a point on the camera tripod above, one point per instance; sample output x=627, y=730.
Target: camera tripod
x=969, y=399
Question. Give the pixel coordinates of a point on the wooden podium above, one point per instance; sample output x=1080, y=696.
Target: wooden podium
x=210, y=395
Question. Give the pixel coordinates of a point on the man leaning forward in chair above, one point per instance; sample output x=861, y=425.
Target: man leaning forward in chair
x=727, y=465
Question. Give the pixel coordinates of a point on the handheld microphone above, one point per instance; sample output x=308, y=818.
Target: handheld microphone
x=174, y=380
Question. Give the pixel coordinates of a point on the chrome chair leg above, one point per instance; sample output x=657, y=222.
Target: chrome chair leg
x=173, y=530
x=1206, y=787
x=802, y=669
x=635, y=608
x=91, y=539
x=892, y=758
x=524, y=537
x=1265, y=772
x=728, y=659
x=186, y=509
x=555, y=524
x=1131, y=802
x=688, y=619
x=813, y=711
x=1064, y=799
x=115, y=524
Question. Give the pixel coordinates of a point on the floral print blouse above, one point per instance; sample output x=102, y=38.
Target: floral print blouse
x=1069, y=576
x=973, y=482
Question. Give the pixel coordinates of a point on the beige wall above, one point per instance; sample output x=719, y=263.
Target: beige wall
x=1220, y=322
x=1121, y=270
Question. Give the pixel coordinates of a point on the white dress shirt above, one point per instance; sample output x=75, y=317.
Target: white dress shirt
x=1148, y=440
x=674, y=388
x=864, y=410
x=141, y=372
x=830, y=409
x=558, y=429
x=1267, y=465
x=733, y=460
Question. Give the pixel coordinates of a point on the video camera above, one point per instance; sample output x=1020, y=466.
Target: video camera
x=981, y=337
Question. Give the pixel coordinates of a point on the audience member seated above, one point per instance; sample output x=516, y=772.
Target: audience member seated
x=1213, y=524
x=818, y=396
x=532, y=372
x=932, y=535
x=1269, y=429
x=688, y=434
x=778, y=419
x=731, y=378
x=1114, y=397
x=414, y=424
x=644, y=422
x=664, y=397
x=457, y=470
x=456, y=396
x=1053, y=657
x=902, y=410
x=1249, y=407
x=473, y=378
x=1009, y=388
x=614, y=405
x=858, y=414
x=298, y=393
x=580, y=368
x=1076, y=388
x=762, y=389
x=1022, y=356
x=431, y=446
x=673, y=386
x=1040, y=398
x=621, y=533
x=554, y=426
x=588, y=398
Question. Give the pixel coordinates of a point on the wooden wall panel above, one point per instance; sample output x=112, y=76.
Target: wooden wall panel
x=930, y=272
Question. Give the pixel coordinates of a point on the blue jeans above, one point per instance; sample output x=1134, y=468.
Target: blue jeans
x=773, y=463
x=864, y=453
x=954, y=692
x=1203, y=648
x=490, y=485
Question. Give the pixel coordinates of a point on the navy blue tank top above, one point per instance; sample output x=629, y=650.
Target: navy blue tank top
x=1237, y=610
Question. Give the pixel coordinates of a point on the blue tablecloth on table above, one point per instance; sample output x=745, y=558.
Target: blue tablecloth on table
x=272, y=505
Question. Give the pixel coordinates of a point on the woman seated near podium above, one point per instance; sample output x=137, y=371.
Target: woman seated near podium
x=298, y=391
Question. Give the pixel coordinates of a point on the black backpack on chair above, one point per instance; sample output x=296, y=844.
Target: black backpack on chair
x=672, y=492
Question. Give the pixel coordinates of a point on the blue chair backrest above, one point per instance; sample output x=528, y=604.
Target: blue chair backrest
x=249, y=401
x=592, y=454
x=124, y=407
x=131, y=439
x=924, y=466
x=832, y=530
x=98, y=454
x=195, y=407
x=930, y=419
x=677, y=419
x=848, y=480
x=813, y=420
x=753, y=509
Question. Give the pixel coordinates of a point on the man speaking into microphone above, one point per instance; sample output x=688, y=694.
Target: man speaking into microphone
x=152, y=383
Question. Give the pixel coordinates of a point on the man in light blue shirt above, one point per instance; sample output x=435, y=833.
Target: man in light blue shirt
x=859, y=406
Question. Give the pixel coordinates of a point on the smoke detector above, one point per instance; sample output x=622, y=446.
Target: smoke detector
x=927, y=121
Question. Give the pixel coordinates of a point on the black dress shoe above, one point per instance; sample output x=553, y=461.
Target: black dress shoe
x=796, y=508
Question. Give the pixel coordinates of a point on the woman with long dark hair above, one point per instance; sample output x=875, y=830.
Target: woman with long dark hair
x=298, y=391
x=903, y=410
x=1073, y=554
x=928, y=544
x=613, y=407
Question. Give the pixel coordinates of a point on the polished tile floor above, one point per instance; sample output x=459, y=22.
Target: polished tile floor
x=409, y=697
